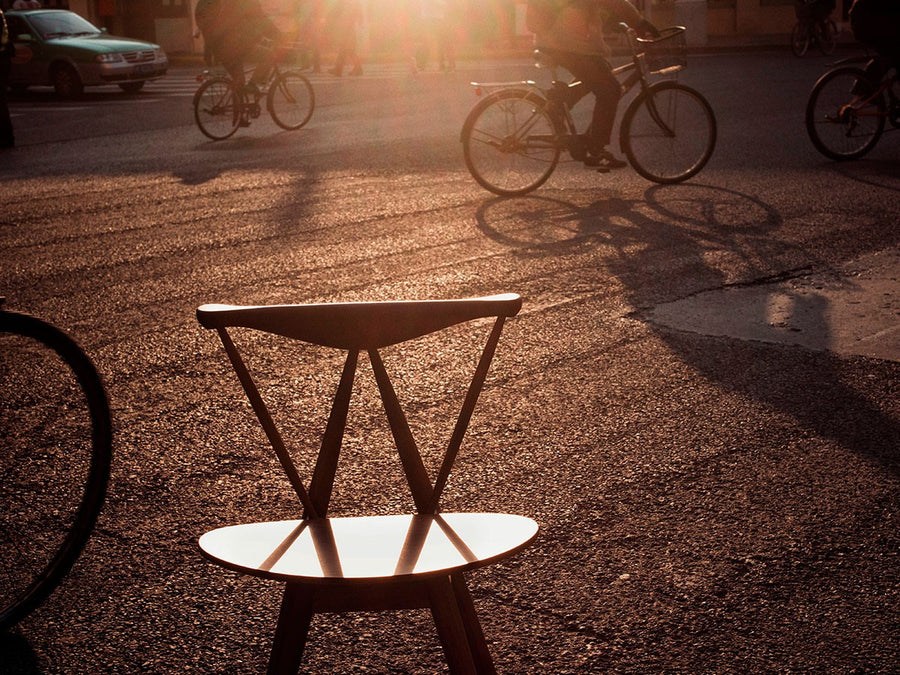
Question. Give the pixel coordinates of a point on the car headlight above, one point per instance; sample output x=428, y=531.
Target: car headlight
x=159, y=53
x=109, y=58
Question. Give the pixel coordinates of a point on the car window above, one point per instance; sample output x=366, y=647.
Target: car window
x=17, y=26
x=61, y=24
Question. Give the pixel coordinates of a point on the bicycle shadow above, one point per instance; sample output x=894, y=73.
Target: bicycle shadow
x=16, y=655
x=707, y=224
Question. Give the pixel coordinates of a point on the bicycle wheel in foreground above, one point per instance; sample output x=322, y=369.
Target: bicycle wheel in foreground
x=510, y=142
x=291, y=100
x=55, y=461
x=217, y=109
x=668, y=132
x=843, y=125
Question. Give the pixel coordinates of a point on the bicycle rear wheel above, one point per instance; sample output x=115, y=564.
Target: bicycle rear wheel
x=217, y=109
x=291, y=100
x=55, y=465
x=668, y=132
x=510, y=142
x=799, y=39
x=841, y=124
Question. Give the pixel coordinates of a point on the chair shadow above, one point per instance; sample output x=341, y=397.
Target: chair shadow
x=16, y=655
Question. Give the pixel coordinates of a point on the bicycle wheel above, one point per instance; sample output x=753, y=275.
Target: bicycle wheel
x=799, y=39
x=291, y=100
x=510, y=142
x=217, y=110
x=668, y=132
x=841, y=124
x=826, y=36
x=55, y=466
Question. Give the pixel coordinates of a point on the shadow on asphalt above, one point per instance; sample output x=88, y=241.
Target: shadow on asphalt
x=814, y=388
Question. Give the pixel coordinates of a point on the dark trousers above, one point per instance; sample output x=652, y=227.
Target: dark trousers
x=6, y=131
x=596, y=76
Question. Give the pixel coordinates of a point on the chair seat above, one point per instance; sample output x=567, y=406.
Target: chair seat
x=368, y=549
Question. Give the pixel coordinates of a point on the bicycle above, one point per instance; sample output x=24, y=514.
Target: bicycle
x=814, y=27
x=55, y=467
x=846, y=114
x=219, y=110
x=512, y=139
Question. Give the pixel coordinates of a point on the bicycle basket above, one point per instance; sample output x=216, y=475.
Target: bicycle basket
x=666, y=54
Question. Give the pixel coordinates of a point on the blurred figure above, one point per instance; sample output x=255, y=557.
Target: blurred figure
x=436, y=19
x=7, y=139
x=349, y=16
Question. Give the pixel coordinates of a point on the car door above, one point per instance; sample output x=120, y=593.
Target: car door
x=29, y=65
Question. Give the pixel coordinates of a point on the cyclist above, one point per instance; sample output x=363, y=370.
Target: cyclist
x=876, y=23
x=235, y=31
x=574, y=39
x=810, y=12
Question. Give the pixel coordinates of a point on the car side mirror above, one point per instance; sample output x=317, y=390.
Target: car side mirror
x=103, y=30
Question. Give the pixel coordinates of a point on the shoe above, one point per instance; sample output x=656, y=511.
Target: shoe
x=356, y=71
x=335, y=71
x=604, y=160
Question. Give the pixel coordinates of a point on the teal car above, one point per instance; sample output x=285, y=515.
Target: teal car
x=61, y=49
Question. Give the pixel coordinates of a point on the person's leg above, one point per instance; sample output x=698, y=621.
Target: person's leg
x=7, y=139
x=594, y=72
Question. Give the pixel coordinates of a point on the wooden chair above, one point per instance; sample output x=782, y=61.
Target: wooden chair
x=341, y=564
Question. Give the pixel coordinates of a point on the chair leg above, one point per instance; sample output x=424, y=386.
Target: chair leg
x=450, y=626
x=484, y=664
x=293, y=627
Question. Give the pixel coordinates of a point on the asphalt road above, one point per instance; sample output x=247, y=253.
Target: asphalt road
x=707, y=502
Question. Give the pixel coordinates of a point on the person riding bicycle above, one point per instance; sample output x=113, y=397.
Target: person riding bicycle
x=235, y=31
x=876, y=24
x=574, y=39
x=810, y=12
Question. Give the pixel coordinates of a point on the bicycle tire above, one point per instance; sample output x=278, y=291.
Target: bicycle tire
x=217, y=108
x=799, y=40
x=839, y=124
x=28, y=576
x=668, y=132
x=291, y=100
x=497, y=154
x=827, y=36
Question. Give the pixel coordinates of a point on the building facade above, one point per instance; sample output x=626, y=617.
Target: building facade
x=387, y=24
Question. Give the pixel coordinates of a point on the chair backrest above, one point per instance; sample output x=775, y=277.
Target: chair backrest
x=354, y=327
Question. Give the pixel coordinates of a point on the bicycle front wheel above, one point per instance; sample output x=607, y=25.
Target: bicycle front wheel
x=799, y=39
x=668, y=132
x=510, y=142
x=217, y=109
x=842, y=124
x=55, y=464
x=291, y=100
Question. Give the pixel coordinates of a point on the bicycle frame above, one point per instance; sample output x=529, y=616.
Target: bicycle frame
x=629, y=75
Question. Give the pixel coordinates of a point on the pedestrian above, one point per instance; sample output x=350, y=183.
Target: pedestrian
x=7, y=50
x=349, y=16
x=436, y=18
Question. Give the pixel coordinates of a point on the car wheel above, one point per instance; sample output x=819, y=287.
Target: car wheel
x=131, y=87
x=66, y=81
